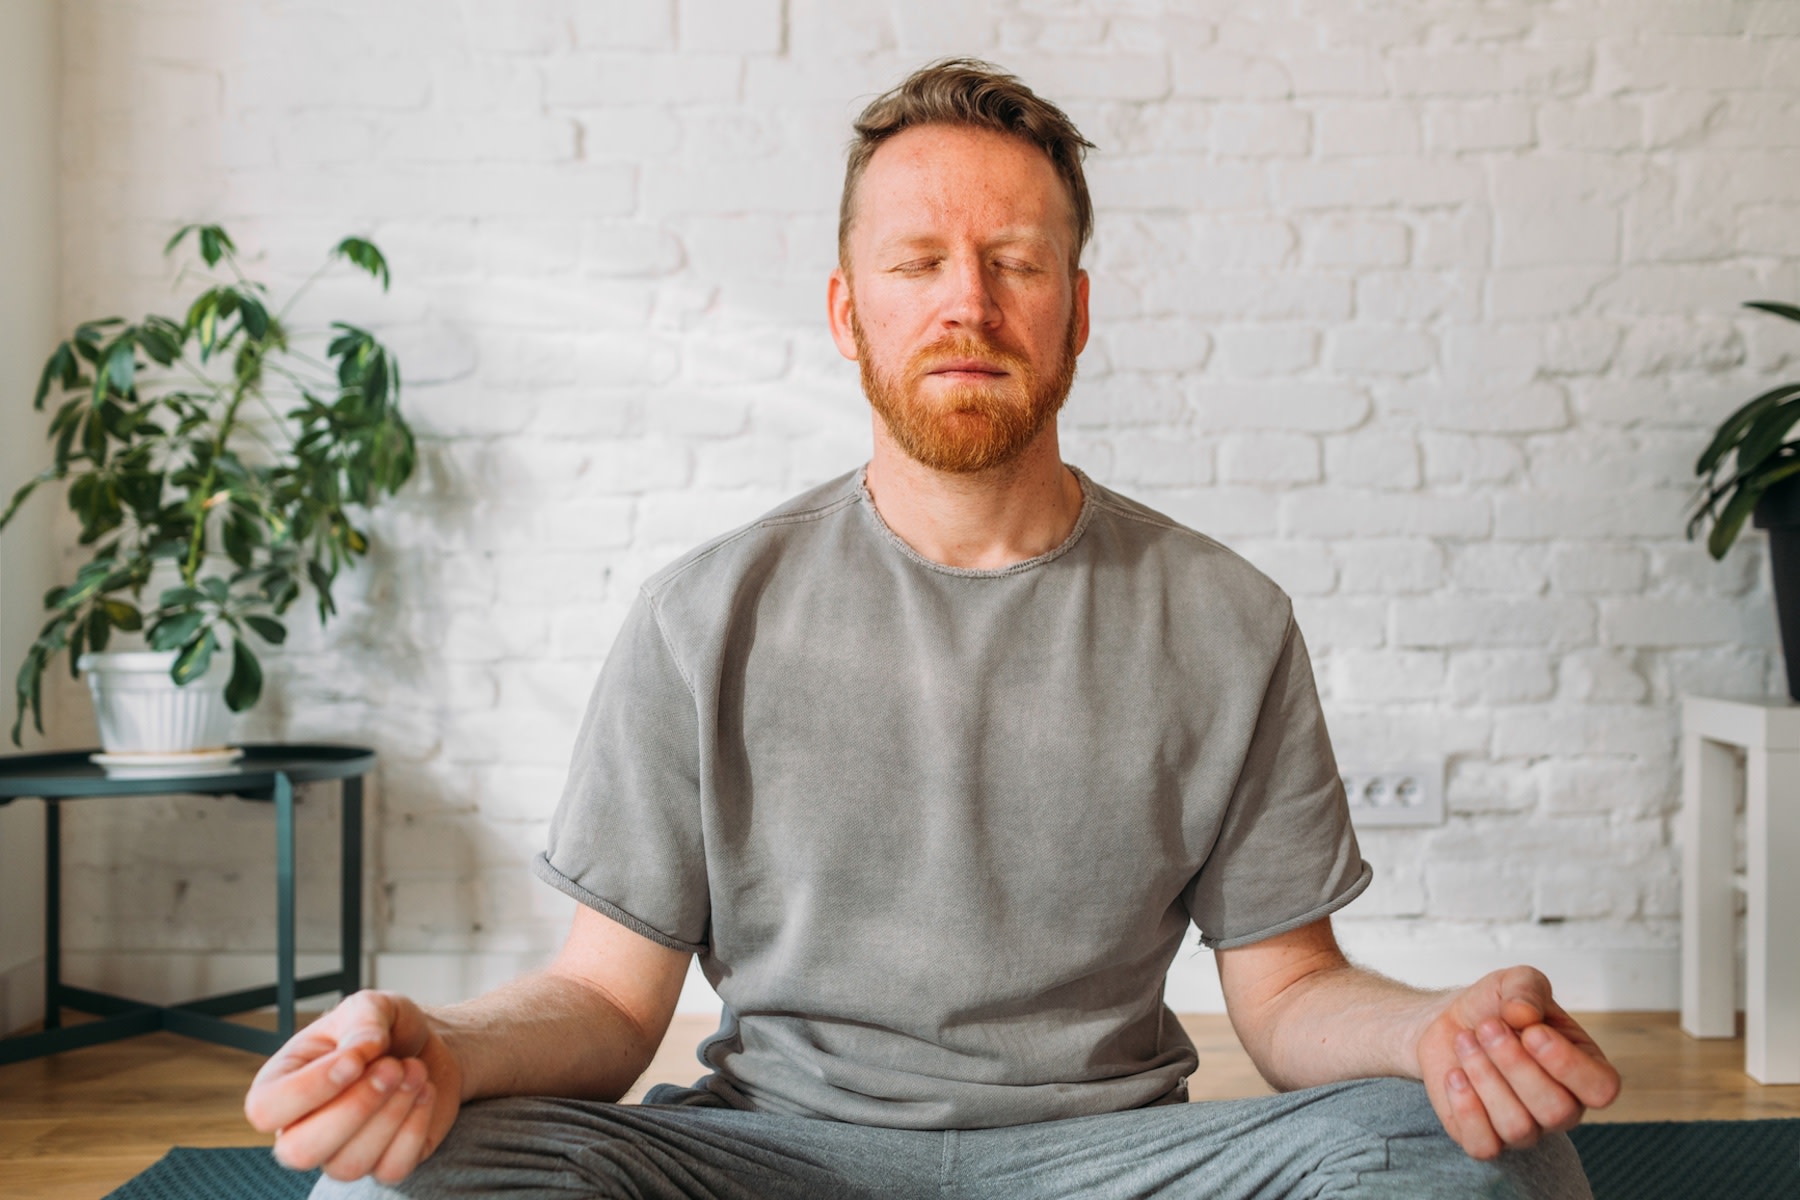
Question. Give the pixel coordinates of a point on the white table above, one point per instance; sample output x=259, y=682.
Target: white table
x=1768, y=732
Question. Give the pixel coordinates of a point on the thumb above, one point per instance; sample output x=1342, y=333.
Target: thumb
x=1524, y=997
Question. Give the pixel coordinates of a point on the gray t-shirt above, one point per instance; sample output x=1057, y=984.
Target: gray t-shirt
x=936, y=834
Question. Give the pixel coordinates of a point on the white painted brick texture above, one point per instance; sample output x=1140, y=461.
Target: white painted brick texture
x=1427, y=310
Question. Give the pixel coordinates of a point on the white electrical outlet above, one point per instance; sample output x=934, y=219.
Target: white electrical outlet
x=1407, y=794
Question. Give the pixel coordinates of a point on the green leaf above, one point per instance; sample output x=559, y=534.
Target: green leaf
x=181, y=597
x=175, y=630
x=194, y=659
x=121, y=365
x=124, y=615
x=47, y=475
x=254, y=316
x=363, y=253
x=1766, y=434
x=1780, y=310
x=245, y=685
x=62, y=367
x=99, y=628
x=271, y=631
x=1742, y=504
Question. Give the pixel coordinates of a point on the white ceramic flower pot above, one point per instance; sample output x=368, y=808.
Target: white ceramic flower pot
x=142, y=711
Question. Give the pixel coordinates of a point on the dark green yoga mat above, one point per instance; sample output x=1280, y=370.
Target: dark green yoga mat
x=1659, y=1160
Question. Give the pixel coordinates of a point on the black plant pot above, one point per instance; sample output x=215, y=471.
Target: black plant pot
x=1779, y=512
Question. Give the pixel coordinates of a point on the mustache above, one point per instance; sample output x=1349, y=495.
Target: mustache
x=963, y=348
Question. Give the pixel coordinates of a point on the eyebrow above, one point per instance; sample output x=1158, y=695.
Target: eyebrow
x=1011, y=237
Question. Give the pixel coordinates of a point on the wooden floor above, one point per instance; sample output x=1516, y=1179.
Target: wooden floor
x=74, y=1126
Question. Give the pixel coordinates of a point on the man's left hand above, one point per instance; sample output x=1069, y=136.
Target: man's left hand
x=1504, y=1064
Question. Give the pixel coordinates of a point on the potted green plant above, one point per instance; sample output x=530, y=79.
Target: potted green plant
x=1760, y=482
x=220, y=460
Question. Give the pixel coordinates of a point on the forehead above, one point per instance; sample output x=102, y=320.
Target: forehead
x=942, y=179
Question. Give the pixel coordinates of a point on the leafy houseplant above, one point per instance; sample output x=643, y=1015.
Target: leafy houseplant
x=1763, y=483
x=217, y=448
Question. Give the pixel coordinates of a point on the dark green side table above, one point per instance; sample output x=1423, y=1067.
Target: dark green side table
x=266, y=774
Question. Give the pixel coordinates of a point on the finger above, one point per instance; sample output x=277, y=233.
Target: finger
x=317, y=1137
x=1584, y=1071
x=279, y=1102
x=367, y=1145
x=1473, y=1132
x=1549, y=1104
x=1506, y=1116
x=409, y=1147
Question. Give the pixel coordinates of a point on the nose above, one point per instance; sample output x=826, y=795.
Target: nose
x=971, y=303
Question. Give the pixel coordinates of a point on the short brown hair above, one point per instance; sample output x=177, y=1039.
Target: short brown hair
x=977, y=95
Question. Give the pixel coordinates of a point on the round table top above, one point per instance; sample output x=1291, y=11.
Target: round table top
x=71, y=773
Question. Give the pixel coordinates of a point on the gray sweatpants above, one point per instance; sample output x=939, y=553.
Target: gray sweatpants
x=1371, y=1138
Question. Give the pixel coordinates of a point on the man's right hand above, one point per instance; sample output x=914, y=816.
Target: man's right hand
x=368, y=1089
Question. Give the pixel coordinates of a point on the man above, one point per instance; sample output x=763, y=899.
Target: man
x=933, y=766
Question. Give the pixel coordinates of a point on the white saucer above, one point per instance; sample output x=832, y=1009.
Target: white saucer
x=168, y=766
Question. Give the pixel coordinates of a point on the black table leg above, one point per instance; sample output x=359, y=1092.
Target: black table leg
x=52, y=914
x=350, y=885
x=284, y=906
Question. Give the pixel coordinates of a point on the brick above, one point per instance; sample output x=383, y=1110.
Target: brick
x=1336, y=513
x=1400, y=183
x=1665, y=621
x=1580, y=347
x=1261, y=131
x=1647, y=513
x=1269, y=458
x=1387, y=676
x=1360, y=349
x=1389, y=567
x=1226, y=513
x=1493, y=677
x=1610, y=125
x=1733, y=671
x=1124, y=399
x=1618, y=788
x=1605, y=676
x=1577, y=893
x=1333, y=623
x=1116, y=76
x=1536, y=292
x=1476, y=892
x=1477, y=787
x=1334, y=73
x=1158, y=345
x=1641, y=732
x=1478, y=621
x=1252, y=351
x=1299, y=568
x=1416, y=296
x=1680, y=63
x=1499, y=567
x=1177, y=185
x=1156, y=460
x=1285, y=405
x=1359, y=129
x=1397, y=889
x=1592, y=569
x=1223, y=75
x=1236, y=242
x=1351, y=242
x=584, y=80
x=637, y=25
x=1376, y=460
x=1457, y=127
x=1531, y=408
x=1247, y=296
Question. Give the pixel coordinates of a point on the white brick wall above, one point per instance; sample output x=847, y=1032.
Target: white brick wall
x=1428, y=309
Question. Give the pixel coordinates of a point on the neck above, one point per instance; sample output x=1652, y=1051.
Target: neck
x=983, y=521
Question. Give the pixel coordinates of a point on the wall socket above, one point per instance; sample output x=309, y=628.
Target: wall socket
x=1407, y=794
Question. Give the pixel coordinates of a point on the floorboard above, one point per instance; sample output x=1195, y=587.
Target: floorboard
x=74, y=1126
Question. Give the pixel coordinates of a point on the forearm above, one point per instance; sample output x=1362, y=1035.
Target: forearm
x=544, y=1035
x=1340, y=1022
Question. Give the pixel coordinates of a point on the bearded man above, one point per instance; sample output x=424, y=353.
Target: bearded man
x=932, y=767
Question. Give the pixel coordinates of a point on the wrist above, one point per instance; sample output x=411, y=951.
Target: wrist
x=1431, y=1010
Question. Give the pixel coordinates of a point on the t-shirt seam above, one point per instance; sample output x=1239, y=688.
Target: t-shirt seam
x=1155, y=521
x=662, y=631
x=1089, y=491
x=677, y=569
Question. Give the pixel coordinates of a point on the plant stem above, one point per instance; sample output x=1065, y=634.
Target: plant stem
x=190, y=567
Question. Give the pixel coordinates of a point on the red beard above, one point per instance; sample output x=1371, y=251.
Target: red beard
x=968, y=427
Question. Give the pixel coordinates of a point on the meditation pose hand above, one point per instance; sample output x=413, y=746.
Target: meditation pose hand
x=1504, y=1064
x=368, y=1089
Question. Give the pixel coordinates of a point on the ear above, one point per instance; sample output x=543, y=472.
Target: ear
x=837, y=302
x=1081, y=310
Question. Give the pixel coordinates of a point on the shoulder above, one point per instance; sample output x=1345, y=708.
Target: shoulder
x=731, y=557
x=1186, y=560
